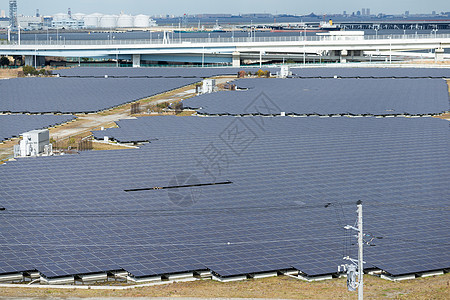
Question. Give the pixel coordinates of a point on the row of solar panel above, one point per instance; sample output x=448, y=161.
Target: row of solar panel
x=14, y=125
x=78, y=218
x=150, y=72
x=301, y=72
x=75, y=95
x=373, y=72
x=327, y=97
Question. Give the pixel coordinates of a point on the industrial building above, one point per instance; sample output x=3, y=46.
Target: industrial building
x=72, y=21
x=4, y=22
x=30, y=22
x=13, y=13
x=67, y=23
x=98, y=20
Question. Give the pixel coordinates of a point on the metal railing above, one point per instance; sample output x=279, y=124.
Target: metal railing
x=187, y=41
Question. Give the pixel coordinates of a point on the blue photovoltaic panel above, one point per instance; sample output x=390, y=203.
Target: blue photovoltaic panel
x=79, y=219
x=374, y=72
x=14, y=125
x=307, y=72
x=327, y=97
x=72, y=95
x=154, y=72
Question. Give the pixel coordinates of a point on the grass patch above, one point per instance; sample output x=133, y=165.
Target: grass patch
x=275, y=287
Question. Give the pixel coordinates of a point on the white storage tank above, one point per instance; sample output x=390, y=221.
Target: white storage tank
x=125, y=21
x=108, y=21
x=142, y=21
x=78, y=16
x=92, y=20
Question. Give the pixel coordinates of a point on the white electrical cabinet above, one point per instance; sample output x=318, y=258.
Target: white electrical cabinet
x=285, y=72
x=208, y=86
x=34, y=143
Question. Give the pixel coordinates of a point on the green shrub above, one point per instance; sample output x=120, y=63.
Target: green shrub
x=162, y=105
x=71, y=141
x=260, y=73
x=4, y=61
x=29, y=70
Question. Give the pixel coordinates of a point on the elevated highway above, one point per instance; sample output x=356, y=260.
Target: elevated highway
x=341, y=47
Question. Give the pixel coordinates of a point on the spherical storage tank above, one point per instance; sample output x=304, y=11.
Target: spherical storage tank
x=125, y=21
x=108, y=21
x=92, y=20
x=142, y=21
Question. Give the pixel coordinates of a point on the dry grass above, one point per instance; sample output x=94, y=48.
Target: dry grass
x=6, y=149
x=427, y=62
x=445, y=116
x=275, y=287
x=9, y=73
x=186, y=113
x=103, y=146
x=9, y=143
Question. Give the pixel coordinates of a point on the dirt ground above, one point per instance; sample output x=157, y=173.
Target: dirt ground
x=276, y=287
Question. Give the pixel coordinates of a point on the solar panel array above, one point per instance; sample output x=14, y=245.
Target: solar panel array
x=152, y=72
x=406, y=72
x=14, y=125
x=297, y=72
x=73, y=95
x=378, y=97
x=70, y=215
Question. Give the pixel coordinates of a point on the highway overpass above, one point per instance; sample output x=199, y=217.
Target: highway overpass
x=337, y=46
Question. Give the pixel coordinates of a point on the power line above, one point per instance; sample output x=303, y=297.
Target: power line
x=155, y=212
x=324, y=241
x=192, y=212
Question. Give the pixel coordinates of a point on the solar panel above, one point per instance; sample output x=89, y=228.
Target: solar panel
x=306, y=72
x=378, y=97
x=71, y=214
x=186, y=72
x=74, y=95
x=14, y=125
x=373, y=72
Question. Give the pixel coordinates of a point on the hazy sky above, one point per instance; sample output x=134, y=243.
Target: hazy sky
x=178, y=7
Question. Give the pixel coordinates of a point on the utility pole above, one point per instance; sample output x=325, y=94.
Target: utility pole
x=356, y=266
x=261, y=53
x=390, y=49
x=360, y=251
x=304, y=53
x=203, y=56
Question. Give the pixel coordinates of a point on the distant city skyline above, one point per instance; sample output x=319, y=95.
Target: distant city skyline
x=179, y=7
